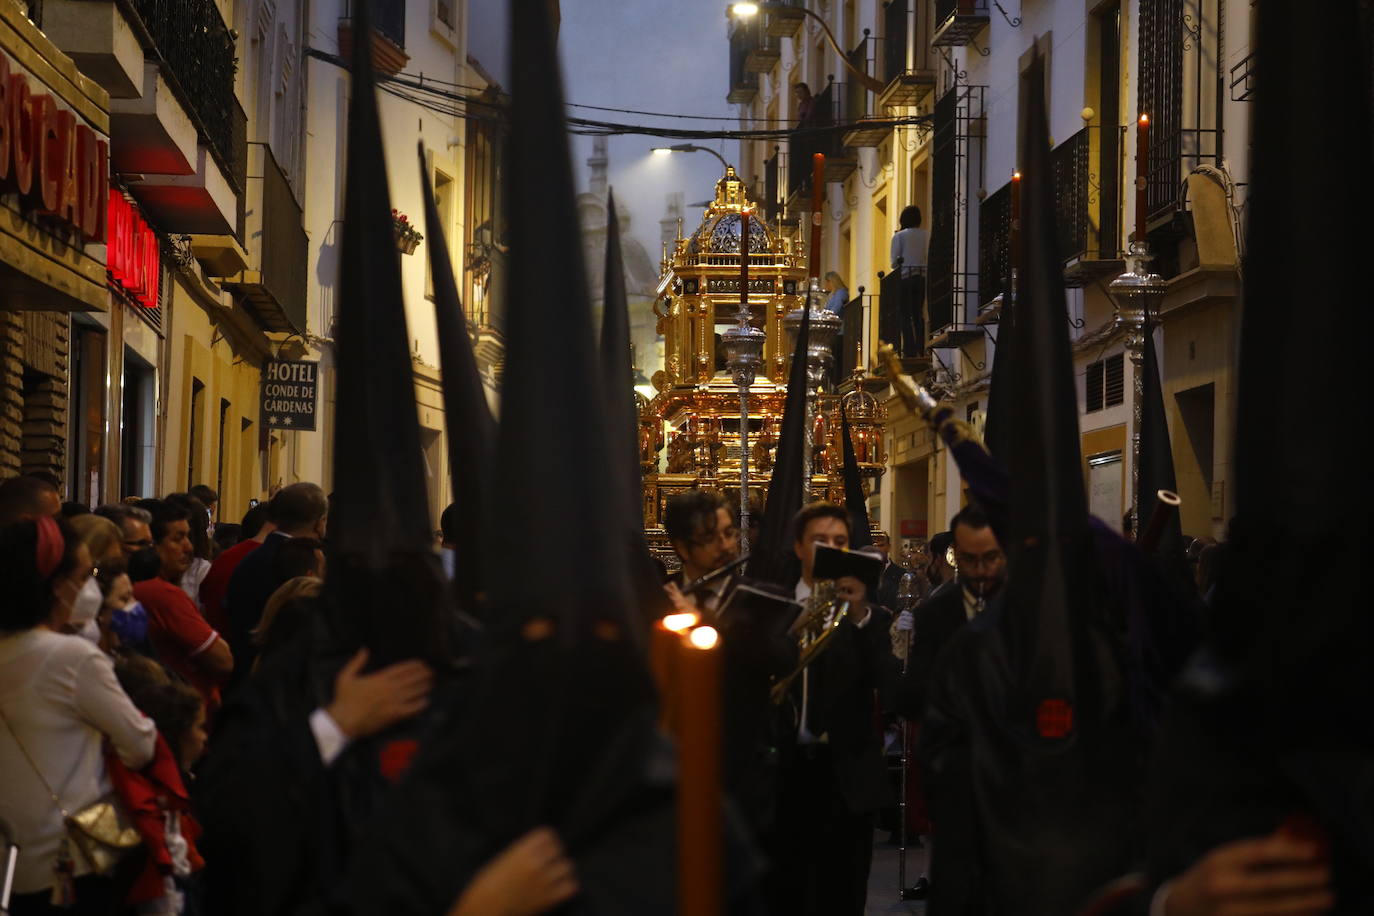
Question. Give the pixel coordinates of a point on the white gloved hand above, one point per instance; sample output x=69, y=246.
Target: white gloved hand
x=906, y=622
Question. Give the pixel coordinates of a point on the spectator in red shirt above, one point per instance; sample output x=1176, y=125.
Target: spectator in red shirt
x=255, y=528
x=183, y=640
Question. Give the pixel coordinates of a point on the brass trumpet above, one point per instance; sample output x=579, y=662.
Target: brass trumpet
x=824, y=613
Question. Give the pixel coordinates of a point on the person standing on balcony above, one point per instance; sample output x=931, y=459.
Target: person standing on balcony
x=909, y=244
x=837, y=298
x=806, y=104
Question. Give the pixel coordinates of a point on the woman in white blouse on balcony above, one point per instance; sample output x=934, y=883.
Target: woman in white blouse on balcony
x=59, y=701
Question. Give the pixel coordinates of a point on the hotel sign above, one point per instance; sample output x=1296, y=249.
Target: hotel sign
x=289, y=392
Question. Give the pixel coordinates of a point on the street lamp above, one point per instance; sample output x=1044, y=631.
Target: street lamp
x=1136, y=293
x=747, y=10
x=689, y=148
x=743, y=345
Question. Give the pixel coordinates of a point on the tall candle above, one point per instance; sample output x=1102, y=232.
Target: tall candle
x=699, y=775
x=663, y=664
x=1015, y=220
x=817, y=210
x=1142, y=176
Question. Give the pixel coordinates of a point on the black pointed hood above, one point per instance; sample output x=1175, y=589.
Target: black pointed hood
x=771, y=559
x=1291, y=605
x=622, y=422
x=384, y=583
x=563, y=710
x=1049, y=551
x=859, y=534
x=467, y=417
x=997, y=424
x=1156, y=459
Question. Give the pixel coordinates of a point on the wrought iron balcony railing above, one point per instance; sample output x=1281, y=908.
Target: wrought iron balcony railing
x=830, y=108
x=955, y=167
x=198, y=57
x=958, y=22
x=1177, y=48
x=994, y=244
x=906, y=60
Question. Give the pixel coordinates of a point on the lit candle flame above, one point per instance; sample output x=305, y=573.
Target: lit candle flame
x=704, y=637
x=680, y=623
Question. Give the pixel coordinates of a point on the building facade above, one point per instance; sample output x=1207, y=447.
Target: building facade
x=955, y=72
x=149, y=318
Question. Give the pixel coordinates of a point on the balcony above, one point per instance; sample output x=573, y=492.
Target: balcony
x=785, y=18
x=275, y=293
x=176, y=129
x=994, y=249
x=1176, y=78
x=99, y=39
x=956, y=165
x=958, y=22
x=198, y=57
x=1088, y=210
x=388, y=35
x=863, y=58
x=744, y=83
x=762, y=53
x=208, y=200
x=905, y=60
x=830, y=109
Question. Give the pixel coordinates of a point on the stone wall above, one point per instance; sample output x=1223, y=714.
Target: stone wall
x=34, y=352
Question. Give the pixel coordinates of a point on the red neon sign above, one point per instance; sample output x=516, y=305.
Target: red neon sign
x=56, y=164
x=132, y=255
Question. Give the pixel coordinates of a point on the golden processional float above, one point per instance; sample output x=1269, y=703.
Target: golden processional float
x=726, y=363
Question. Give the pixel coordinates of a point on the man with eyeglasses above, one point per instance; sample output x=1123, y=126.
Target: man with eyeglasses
x=135, y=526
x=981, y=571
x=705, y=536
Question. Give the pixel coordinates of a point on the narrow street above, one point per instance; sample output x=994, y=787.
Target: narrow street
x=882, y=879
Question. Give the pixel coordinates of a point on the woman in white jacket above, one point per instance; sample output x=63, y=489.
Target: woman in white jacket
x=59, y=702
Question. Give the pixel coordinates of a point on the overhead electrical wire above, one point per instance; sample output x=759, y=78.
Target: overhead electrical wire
x=425, y=92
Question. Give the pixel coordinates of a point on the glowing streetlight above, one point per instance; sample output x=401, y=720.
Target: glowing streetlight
x=746, y=10
x=689, y=148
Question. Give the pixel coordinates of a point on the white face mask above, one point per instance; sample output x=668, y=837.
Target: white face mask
x=87, y=604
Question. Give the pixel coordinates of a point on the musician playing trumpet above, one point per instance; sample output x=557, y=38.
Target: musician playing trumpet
x=831, y=776
x=705, y=537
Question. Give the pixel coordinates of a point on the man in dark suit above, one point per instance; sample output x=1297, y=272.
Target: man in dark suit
x=832, y=777
x=981, y=568
x=299, y=510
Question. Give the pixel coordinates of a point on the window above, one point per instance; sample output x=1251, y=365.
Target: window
x=1106, y=384
x=443, y=194
x=223, y=455
x=197, y=399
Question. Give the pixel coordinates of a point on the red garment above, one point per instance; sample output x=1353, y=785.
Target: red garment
x=148, y=795
x=179, y=634
x=216, y=583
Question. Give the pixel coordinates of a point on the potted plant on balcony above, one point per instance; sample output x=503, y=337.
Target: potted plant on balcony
x=407, y=236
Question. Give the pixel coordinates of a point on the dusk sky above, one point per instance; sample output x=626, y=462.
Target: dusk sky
x=651, y=55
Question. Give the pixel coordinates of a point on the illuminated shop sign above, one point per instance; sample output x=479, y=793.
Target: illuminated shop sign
x=58, y=166
x=133, y=255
